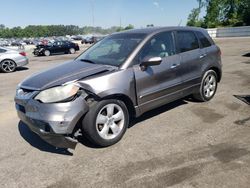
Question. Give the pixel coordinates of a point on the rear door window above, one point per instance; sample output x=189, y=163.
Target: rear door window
x=203, y=40
x=187, y=41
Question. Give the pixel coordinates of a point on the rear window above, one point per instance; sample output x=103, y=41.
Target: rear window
x=187, y=41
x=204, y=40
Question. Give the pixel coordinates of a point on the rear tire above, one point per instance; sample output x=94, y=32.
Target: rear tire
x=72, y=51
x=208, y=87
x=8, y=66
x=106, y=122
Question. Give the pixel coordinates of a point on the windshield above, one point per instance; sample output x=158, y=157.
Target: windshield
x=113, y=50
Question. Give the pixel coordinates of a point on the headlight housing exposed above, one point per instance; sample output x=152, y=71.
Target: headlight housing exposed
x=57, y=94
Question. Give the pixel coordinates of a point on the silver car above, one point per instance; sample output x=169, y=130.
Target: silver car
x=11, y=59
x=118, y=78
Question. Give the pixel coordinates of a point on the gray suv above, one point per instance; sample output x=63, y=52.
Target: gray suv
x=118, y=78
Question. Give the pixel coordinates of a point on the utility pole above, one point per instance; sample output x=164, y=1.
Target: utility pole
x=93, y=14
x=180, y=23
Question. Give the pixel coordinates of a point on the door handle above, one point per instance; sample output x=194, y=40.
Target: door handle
x=203, y=55
x=174, y=66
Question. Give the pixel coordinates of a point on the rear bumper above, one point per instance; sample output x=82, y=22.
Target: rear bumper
x=22, y=62
x=77, y=48
x=52, y=122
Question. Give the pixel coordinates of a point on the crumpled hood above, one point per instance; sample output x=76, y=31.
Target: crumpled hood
x=73, y=70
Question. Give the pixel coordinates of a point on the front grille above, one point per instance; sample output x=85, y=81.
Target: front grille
x=41, y=125
x=27, y=90
x=21, y=92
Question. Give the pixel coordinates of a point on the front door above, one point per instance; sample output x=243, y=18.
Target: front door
x=157, y=84
x=57, y=47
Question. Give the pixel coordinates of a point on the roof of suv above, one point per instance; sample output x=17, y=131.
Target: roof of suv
x=151, y=30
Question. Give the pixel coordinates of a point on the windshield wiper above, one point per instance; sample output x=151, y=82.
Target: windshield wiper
x=88, y=61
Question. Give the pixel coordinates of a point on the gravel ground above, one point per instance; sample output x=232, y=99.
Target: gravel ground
x=182, y=144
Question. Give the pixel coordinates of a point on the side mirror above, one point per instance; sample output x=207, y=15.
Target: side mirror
x=150, y=61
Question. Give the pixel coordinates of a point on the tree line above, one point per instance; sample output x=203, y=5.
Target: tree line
x=220, y=13
x=55, y=30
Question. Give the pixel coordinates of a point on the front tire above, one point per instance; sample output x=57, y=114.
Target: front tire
x=106, y=122
x=208, y=87
x=47, y=53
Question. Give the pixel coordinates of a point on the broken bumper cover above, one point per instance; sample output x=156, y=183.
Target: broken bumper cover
x=38, y=51
x=52, y=122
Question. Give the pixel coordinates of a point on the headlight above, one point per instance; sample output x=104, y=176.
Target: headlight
x=57, y=94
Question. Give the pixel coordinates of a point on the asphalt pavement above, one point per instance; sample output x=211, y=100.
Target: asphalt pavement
x=182, y=144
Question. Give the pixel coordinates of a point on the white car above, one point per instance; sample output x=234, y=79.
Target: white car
x=11, y=59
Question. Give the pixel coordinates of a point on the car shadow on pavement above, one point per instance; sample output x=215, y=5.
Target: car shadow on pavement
x=246, y=55
x=157, y=111
x=35, y=141
x=22, y=69
x=84, y=141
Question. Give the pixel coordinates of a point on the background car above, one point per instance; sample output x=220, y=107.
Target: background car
x=56, y=48
x=11, y=59
x=88, y=40
x=92, y=40
x=78, y=37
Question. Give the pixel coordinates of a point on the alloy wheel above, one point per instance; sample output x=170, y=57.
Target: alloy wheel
x=8, y=66
x=72, y=50
x=47, y=53
x=209, y=85
x=110, y=121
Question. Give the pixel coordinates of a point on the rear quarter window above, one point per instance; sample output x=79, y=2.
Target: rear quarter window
x=203, y=40
x=187, y=41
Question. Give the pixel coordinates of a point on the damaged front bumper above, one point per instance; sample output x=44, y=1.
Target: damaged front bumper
x=38, y=51
x=52, y=122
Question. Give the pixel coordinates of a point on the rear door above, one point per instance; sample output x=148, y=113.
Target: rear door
x=190, y=55
x=61, y=47
x=209, y=51
x=54, y=48
x=66, y=46
x=157, y=82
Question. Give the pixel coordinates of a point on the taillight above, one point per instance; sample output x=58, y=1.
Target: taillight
x=22, y=53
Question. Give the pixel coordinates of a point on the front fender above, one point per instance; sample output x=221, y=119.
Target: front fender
x=120, y=82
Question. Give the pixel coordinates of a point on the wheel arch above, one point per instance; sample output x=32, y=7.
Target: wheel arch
x=8, y=59
x=217, y=71
x=127, y=101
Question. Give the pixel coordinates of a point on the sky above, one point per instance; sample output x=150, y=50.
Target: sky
x=106, y=13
